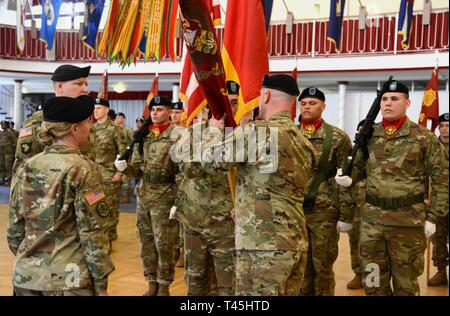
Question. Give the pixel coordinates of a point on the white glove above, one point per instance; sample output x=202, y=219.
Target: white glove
x=172, y=212
x=343, y=227
x=430, y=229
x=121, y=165
x=343, y=181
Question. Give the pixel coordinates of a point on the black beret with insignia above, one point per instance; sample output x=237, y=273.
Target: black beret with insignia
x=394, y=86
x=103, y=102
x=233, y=87
x=160, y=101
x=140, y=119
x=283, y=83
x=177, y=105
x=68, y=110
x=70, y=72
x=312, y=92
x=443, y=118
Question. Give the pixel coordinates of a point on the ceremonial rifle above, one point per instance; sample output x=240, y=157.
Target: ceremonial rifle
x=138, y=138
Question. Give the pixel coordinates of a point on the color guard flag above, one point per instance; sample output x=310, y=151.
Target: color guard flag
x=337, y=11
x=20, y=31
x=430, y=103
x=154, y=91
x=245, y=50
x=50, y=15
x=405, y=19
x=214, y=8
x=92, y=19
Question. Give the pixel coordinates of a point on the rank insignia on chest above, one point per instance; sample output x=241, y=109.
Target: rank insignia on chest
x=391, y=130
x=310, y=128
x=155, y=132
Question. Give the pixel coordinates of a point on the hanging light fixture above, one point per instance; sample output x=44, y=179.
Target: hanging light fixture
x=120, y=87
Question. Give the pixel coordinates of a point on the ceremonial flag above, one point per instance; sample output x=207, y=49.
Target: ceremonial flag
x=204, y=51
x=94, y=11
x=20, y=31
x=294, y=106
x=214, y=8
x=337, y=12
x=154, y=90
x=245, y=50
x=190, y=91
x=106, y=42
x=50, y=15
x=268, y=6
x=405, y=19
x=430, y=103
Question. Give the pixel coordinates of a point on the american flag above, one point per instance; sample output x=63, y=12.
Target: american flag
x=94, y=196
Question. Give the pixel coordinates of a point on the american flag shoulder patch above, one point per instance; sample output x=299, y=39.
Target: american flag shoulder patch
x=95, y=196
x=25, y=132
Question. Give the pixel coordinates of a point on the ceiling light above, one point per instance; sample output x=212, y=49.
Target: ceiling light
x=120, y=87
x=25, y=90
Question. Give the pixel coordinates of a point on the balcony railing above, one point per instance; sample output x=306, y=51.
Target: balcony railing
x=308, y=38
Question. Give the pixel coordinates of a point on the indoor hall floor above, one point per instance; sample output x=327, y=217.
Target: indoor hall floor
x=128, y=279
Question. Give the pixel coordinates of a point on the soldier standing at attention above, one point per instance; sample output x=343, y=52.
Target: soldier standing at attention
x=440, y=250
x=7, y=140
x=58, y=214
x=176, y=114
x=395, y=221
x=328, y=209
x=271, y=235
x=156, y=194
x=110, y=142
x=128, y=133
x=68, y=81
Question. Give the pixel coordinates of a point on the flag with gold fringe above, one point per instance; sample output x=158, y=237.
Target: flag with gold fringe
x=405, y=20
x=214, y=8
x=337, y=10
x=92, y=17
x=430, y=103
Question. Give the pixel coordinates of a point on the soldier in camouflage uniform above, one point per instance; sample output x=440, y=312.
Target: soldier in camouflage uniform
x=126, y=179
x=68, y=81
x=156, y=194
x=204, y=209
x=7, y=140
x=271, y=235
x=395, y=221
x=326, y=207
x=110, y=142
x=58, y=214
x=440, y=239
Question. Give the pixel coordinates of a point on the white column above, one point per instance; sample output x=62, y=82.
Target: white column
x=342, y=103
x=18, y=104
x=175, y=93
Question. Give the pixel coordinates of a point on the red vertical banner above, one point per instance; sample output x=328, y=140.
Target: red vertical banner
x=430, y=102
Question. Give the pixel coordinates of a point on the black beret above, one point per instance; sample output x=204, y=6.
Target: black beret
x=70, y=72
x=394, y=86
x=233, y=87
x=443, y=118
x=157, y=101
x=284, y=83
x=121, y=114
x=312, y=92
x=140, y=119
x=177, y=105
x=112, y=114
x=103, y=102
x=68, y=110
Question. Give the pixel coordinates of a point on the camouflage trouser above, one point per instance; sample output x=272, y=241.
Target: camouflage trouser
x=158, y=236
x=353, y=235
x=207, y=256
x=269, y=273
x=6, y=161
x=322, y=253
x=440, y=238
x=397, y=253
x=76, y=292
x=112, y=191
x=126, y=184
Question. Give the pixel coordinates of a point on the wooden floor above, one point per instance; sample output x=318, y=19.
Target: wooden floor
x=128, y=279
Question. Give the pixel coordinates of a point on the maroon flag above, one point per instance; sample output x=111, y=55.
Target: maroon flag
x=204, y=50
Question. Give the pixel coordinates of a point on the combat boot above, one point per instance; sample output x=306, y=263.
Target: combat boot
x=356, y=283
x=152, y=289
x=163, y=290
x=439, y=279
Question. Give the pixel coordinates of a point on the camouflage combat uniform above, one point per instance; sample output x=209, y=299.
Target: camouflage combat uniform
x=440, y=238
x=128, y=133
x=57, y=226
x=156, y=194
x=331, y=204
x=271, y=235
x=358, y=193
x=110, y=142
x=392, y=221
x=204, y=209
x=7, y=140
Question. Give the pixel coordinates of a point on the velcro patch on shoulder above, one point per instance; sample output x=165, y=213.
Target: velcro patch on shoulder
x=24, y=132
x=95, y=196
